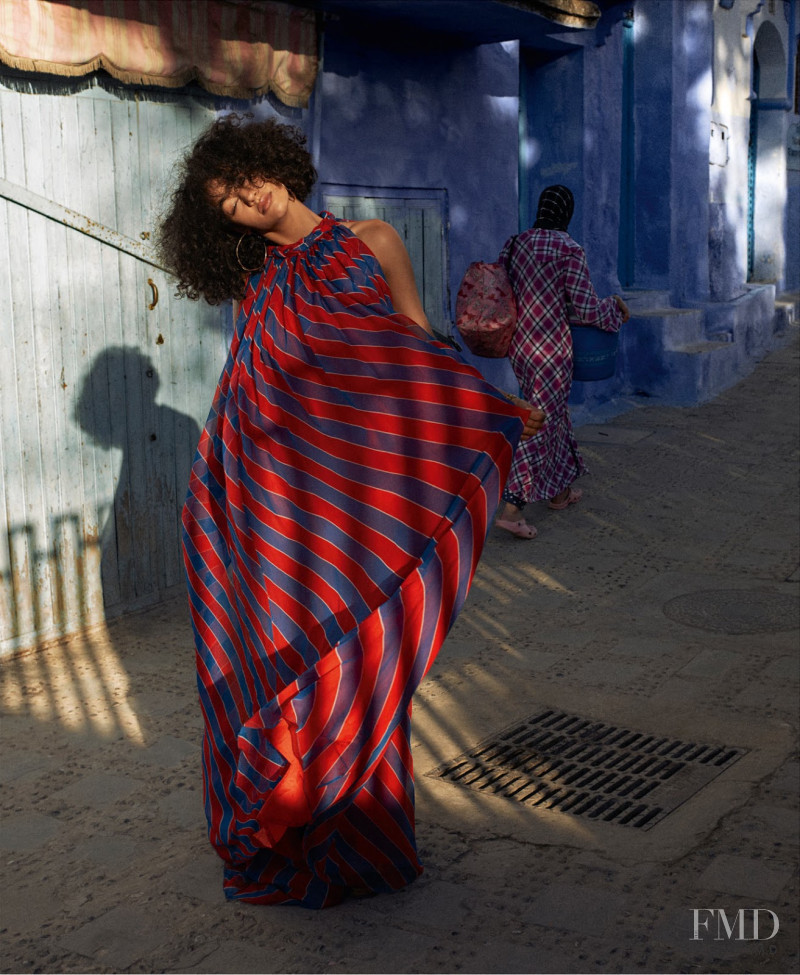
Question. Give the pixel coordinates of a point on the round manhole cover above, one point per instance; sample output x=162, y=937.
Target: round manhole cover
x=736, y=610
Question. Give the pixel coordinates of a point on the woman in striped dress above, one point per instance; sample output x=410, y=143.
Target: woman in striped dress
x=339, y=500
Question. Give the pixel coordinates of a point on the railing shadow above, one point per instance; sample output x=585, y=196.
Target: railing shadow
x=112, y=549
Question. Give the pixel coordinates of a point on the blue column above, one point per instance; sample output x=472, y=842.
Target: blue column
x=627, y=190
x=693, y=52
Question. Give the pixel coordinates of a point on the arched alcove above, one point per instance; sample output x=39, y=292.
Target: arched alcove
x=768, y=50
x=766, y=161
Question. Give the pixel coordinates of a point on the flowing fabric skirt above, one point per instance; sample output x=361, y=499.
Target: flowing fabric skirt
x=338, y=504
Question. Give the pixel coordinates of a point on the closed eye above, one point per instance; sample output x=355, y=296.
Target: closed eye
x=227, y=206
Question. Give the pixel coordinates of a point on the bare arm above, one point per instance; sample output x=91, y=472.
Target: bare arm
x=385, y=243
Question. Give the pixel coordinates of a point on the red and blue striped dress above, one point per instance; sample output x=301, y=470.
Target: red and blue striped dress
x=338, y=504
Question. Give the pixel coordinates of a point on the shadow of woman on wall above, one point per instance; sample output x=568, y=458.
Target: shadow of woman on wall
x=141, y=558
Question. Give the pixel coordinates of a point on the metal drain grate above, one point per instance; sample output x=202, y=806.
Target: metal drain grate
x=575, y=765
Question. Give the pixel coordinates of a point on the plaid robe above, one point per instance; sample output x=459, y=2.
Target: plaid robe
x=552, y=286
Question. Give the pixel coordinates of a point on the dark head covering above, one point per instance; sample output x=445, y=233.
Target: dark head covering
x=555, y=208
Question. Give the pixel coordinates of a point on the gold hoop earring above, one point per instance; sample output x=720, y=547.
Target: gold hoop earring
x=258, y=267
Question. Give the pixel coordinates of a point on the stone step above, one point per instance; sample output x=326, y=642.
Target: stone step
x=787, y=310
x=699, y=348
x=668, y=356
x=668, y=328
x=699, y=370
x=689, y=355
x=640, y=299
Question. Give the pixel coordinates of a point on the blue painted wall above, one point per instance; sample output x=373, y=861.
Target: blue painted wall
x=551, y=148
x=396, y=115
x=599, y=227
x=491, y=125
x=792, y=282
x=792, y=275
x=572, y=136
x=690, y=111
x=652, y=140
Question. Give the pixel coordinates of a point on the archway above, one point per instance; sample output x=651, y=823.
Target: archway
x=766, y=159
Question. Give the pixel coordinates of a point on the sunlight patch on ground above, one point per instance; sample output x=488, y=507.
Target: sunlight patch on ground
x=80, y=683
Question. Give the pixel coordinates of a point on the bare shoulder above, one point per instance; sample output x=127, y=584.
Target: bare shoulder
x=379, y=236
x=388, y=247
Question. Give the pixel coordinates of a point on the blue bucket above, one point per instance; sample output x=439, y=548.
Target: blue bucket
x=594, y=353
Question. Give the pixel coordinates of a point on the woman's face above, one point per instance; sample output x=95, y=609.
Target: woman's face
x=257, y=205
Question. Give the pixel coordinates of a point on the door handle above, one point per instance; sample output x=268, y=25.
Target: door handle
x=154, y=289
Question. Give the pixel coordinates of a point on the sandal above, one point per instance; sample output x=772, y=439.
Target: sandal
x=519, y=529
x=573, y=496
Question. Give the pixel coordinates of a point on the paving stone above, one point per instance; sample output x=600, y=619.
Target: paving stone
x=613, y=435
x=778, y=821
x=784, y=668
x=647, y=646
x=712, y=664
x=157, y=703
x=112, y=850
x=682, y=691
x=559, y=639
x=773, y=696
x=532, y=661
x=428, y=904
x=487, y=863
x=505, y=959
x=99, y=788
x=119, y=938
x=384, y=948
x=575, y=908
x=677, y=929
x=747, y=877
x=26, y=764
x=201, y=877
x=235, y=957
x=28, y=831
x=168, y=751
x=184, y=808
x=787, y=779
x=27, y=909
x=616, y=672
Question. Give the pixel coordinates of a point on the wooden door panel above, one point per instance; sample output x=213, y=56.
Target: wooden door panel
x=101, y=397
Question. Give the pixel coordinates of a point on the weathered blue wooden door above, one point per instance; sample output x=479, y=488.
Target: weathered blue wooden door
x=105, y=378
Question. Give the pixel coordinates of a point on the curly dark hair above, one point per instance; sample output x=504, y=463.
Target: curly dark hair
x=195, y=242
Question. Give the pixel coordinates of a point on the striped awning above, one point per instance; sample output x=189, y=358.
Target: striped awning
x=569, y=13
x=237, y=48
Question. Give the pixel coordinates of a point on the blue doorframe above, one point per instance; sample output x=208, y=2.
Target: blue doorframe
x=752, y=158
x=627, y=227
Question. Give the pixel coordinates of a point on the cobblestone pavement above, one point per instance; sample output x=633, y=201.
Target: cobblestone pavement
x=666, y=603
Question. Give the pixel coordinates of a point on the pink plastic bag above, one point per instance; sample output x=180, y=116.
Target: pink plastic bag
x=486, y=310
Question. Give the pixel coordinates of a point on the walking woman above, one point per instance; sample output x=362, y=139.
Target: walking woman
x=341, y=494
x=550, y=278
